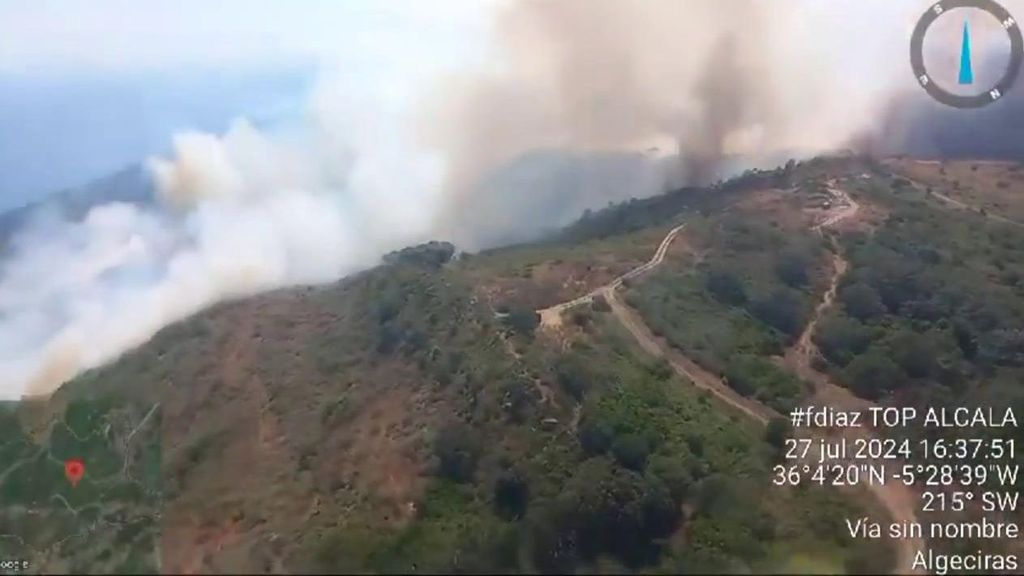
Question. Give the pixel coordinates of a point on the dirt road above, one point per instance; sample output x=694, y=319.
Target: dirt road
x=700, y=377
x=798, y=357
x=848, y=207
x=963, y=206
x=958, y=203
x=899, y=501
x=552, y=317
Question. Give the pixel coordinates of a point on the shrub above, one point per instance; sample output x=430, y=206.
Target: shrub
x=631, y=450
x=595, y=437
x=792, y=268
x=872, y=374
x=914, y=353
x=758, y=377
x=457, y=450
x=781, y=310
x=661, y=369
x=573, y=377
x=776, y=433
x=523, y=321
x=840, y=339
x=671, y=472
x=861, y=301
x=726, y=287
x=511, y=494
x=600, y=304
x=581, y=318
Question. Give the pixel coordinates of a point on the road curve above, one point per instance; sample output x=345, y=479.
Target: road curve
x=898, y=500
x=550, y=316
x=682, y=365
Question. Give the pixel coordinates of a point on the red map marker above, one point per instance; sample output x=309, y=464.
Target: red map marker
x=74, y=469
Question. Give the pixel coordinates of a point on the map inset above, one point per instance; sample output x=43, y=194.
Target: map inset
x=108, y=522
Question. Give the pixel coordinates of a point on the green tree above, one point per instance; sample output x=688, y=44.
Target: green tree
x=582, y=317
x=672, y=472
x=776, y=433
x=522, y=320
x=914, y=353
x=602, y=509
x=792, y=267
x=431, y=255
x=511, y=494
x=861, y=301
x=873, y=374
x=631, y=451
x=781, y=310
x=457, y=450
x=573, y=376
x=596, y=437
x=840, y=338
x=518, y=395
x=660, y=511
x=726, y=287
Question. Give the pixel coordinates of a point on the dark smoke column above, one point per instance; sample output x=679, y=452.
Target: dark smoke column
x=915, y=124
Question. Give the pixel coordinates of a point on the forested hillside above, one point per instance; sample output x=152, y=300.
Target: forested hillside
x=433, y=414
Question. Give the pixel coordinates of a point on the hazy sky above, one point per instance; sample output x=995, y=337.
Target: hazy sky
x=87, y=86
x=61, y=129
x=359, y=112
x=132, y=35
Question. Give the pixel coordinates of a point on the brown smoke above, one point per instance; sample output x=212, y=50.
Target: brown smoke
x=914, y=124
x=591, y=76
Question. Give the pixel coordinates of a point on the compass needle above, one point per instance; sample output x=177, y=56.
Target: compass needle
x=966, y=70
x=959, y=89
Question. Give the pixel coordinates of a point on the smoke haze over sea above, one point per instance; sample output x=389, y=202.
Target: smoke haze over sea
x=481, y=123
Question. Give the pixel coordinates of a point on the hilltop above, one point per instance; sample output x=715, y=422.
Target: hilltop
x=420, y=416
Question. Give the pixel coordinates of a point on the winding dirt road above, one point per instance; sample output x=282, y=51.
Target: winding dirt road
x=959, y=204
x=798, y=357
x=899, y=501
x=964, y=206
x=551, y=317
x=700, y=377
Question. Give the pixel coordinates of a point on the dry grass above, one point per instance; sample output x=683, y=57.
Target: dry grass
x=288, y=450
x=997, y=187
x=541, y=277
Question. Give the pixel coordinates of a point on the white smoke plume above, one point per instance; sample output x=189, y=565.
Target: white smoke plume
x=578, y=103
x=236, y=215
x=716, y=79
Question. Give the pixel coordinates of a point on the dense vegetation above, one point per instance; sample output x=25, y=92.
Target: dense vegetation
x=748, y=299
x=649, y=477
x=415, y=417
x=931, y=311
x=108, y=521
x=638, y=214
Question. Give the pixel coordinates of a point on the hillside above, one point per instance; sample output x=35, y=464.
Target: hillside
x=130, y=185
x=432, y=414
